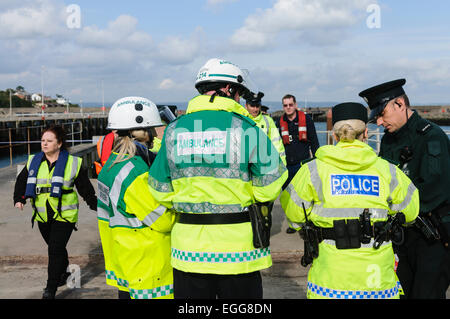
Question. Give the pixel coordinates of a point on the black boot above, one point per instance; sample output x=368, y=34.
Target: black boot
x=63, y=279
x=48, y=294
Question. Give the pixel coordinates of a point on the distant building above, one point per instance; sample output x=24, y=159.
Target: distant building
x=36, y=97
x=61, y=101
x=23, y=95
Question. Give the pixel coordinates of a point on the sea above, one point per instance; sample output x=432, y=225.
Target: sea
x=273, y=106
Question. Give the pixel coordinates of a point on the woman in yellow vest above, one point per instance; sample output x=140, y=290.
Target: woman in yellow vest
x=134, y=228
x=353, y=200
x=48, y=180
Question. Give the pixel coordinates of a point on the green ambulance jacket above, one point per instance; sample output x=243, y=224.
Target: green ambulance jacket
x=215, y=160
x=429, y=168
x=135, y=231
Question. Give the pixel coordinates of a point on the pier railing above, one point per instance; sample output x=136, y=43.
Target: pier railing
x=31, y=135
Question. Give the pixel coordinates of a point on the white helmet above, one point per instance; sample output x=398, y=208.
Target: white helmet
x=133, y=113
x=218, y=71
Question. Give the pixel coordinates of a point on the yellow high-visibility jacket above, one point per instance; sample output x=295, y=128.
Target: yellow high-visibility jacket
x=214, y=160
x=339, y=184
x=266, y=123
x=134, y=230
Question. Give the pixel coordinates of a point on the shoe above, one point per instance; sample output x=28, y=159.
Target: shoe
x=291, y=230
x=63, y=280
x=48, y=294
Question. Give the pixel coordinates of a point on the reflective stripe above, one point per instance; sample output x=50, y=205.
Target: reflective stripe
x=315, y=179
x=220, y=257
x=321, y=211
x=159, y=186
x=267, y=125
x=43, y=181
x=57, y=179
x=234, y=156
x=302, y=129
x=119, y=220
x=154, y=215
x=69, y=207
x=394, y=181
x=151, y=293
x=276, y=139
x=112, y=276
x=102, y=214
x=284, y=133
x=207, y=207
x=234, y=172
x=270, y=177
x=401, y=206
x=353, y=294
x=297, y=199
x=32, y=180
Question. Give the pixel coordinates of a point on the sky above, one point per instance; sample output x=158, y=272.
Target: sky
x=317, y=50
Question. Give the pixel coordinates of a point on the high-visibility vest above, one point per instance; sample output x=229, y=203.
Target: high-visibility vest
x=343, y=181
x=69, y=200
x=216, y=171
x=104, y=148
x=134, y=231
x=302, y=131
x=266, y=123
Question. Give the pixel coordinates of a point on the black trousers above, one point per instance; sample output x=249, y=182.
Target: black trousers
x=211, y=286
x=56, y=234
x=423, y=268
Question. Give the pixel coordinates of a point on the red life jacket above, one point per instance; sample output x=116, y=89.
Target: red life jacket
x=104, y=148
x=302, y=133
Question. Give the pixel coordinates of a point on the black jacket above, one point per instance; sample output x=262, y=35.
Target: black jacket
x=429, y=164
x=297, y=150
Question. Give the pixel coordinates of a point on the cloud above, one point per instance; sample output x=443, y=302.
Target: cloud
x=178, y=50
x=166, y=84
x=300, y=17
x=42, y=18
x=121, y=33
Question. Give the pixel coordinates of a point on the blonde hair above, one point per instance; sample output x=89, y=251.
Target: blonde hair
x=125, y=147
x=349, y=130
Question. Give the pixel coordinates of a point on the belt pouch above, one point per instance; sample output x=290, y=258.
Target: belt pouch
x=341, y=234
x=354, y=231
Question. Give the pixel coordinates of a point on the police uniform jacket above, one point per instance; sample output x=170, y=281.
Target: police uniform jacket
x=429, y=166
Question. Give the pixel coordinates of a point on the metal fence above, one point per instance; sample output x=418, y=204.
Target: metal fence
x=32, y=136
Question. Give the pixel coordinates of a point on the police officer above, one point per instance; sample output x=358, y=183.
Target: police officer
x=348, y=193
x=422, y=151
x=265, y=122
x=214, y=162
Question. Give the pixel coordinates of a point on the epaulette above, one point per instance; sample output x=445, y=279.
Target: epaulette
x=424, y=126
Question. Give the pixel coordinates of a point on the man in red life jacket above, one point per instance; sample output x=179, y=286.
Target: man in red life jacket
x=104, y=148
x=299, y=137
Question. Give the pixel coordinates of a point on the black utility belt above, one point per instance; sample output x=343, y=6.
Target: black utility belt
x=213, y=219
x=349, y=234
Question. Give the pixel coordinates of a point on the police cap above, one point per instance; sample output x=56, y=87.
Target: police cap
x=377, y=97
x=349, y=111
